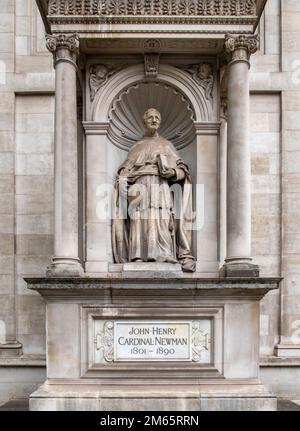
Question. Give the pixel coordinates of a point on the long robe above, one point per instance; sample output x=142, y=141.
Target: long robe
x=150, y=213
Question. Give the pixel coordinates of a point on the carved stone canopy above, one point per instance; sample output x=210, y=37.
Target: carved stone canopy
x=126, y=122
x=60, y=12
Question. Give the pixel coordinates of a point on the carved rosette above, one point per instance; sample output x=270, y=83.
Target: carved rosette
x=178, y=126
x=240, y=47
x=63, y=47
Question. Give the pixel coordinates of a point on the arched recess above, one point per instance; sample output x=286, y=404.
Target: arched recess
x=106, y=152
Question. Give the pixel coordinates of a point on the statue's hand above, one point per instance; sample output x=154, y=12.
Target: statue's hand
x=168, y=173
x=123, y=172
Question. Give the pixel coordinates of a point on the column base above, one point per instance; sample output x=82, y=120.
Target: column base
x=287, y=350
x=65, y=267
x=10, y=350
x=232, y=269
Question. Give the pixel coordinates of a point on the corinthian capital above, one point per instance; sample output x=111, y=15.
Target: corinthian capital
x=63, y=46
x=240, y=47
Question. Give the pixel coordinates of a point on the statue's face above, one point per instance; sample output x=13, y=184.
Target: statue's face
x=152, y=120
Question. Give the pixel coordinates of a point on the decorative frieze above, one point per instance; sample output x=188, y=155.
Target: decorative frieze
x=202, y=73
x=152, y=7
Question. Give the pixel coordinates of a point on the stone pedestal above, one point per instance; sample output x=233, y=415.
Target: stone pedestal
x=214, y=325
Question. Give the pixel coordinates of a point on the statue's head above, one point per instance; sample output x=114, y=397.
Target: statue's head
x=152, y=120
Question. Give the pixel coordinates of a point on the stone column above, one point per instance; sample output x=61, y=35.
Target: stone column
x=65, y=49
x=238, y=261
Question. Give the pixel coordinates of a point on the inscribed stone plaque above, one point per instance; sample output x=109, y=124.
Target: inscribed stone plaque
x=151, y=340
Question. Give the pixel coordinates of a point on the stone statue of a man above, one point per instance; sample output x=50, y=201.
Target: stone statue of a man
x=155, y=185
